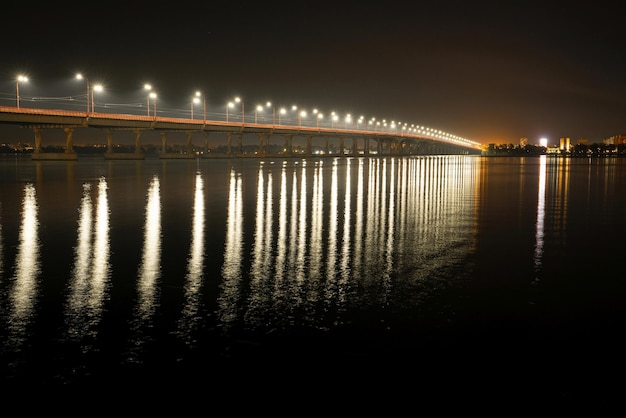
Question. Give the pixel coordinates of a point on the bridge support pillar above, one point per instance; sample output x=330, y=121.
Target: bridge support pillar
x=109, y=141
x=163, y=142
x=309, y=140
x=189, y=144
x=206, y=142
x=138, y=142
x=326, y=147
x=229, y=148
x=240, y=143
x=37, y=140
x=262, y=150
x=366, y=146
x=355, y=147
x=69, y=142
x=341, y=145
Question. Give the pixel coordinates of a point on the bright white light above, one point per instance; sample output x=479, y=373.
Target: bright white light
x=543, y=142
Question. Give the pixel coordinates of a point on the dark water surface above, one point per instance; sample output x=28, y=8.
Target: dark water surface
x=492, y=280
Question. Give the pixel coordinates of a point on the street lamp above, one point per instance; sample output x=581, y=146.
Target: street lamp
x=300, y=115
x=259, y=108
x=194, y=100
x=282, y=111
x=269, y=105
x=79, y=76
x=229, y=105
x=98, y=88
x=238, y=100
x=19, y=78
x=295, y=109
x=153, y=96
x=318, y=117
x=147, y=87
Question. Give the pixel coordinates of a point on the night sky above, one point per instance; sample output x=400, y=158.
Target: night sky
x=489, y=72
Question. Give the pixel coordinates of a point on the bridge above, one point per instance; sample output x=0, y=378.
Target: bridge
x=351, y=141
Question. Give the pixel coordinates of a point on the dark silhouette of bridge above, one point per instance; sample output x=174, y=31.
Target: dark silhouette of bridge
x=357, y=142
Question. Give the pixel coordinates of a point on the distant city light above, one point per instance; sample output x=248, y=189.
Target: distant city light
x=543, y=142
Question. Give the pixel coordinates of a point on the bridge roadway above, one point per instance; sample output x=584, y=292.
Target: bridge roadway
x=387, y=143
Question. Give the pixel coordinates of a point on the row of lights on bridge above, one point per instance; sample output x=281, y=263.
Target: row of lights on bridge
x=199, y=97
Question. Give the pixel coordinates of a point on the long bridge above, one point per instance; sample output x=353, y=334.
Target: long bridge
x=368, y=142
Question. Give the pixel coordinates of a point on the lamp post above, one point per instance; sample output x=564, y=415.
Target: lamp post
x=259, y=108
x=269, y=106
x=147, y=87
x=282, y=111
x=98, y=88
x=153, y=96
x=79, y=76
x=300, y=115
x=203, y=106
x=195, y=100
x=229, y=105
x=23, y=79
x=318, y=117
x=294, y=108
x=238, y=100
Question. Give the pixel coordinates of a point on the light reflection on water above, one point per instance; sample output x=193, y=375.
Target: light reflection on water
x=329, y=238
x=231, y=269
x=90, y=278
x=316, y=252
x=225, y=253
x=195, y=265
x=24, y=291
x=541, y=212
x=149, y=272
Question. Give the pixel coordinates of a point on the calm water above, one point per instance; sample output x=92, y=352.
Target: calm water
x=456, y=272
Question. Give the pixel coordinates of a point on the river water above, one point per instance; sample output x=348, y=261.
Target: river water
x=454, y=275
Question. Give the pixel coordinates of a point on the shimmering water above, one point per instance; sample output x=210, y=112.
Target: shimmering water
x=455, y=269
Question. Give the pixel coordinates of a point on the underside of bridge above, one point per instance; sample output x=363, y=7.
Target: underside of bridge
x=232, y=144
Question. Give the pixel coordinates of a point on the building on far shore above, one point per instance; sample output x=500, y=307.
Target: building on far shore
x=615, y=140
